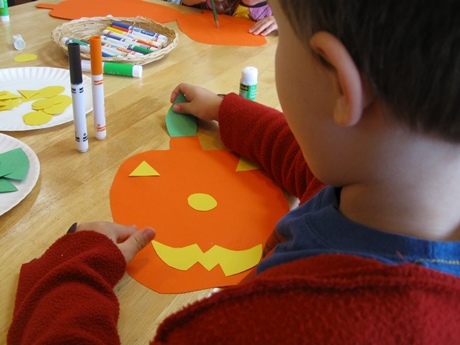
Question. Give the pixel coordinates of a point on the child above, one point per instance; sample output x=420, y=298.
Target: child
x=370, y=101
x=256, y=10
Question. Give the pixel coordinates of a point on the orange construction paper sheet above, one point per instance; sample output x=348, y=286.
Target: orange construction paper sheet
x=248, y=206
x=232, y=31
x=199, y=27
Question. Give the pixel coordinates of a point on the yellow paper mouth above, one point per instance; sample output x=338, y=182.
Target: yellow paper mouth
x=231, y=261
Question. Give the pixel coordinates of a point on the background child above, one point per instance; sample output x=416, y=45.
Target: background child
x=371, y=102
x=258, y=11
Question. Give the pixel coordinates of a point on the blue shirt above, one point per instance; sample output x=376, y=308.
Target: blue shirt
x=317, y=227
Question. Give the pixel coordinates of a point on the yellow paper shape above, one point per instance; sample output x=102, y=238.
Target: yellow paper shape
x=25, y=57
x=28, y=94
x=144, y=169
x=10, y=104
x=36, y=118
x=42, y=104
x=231, y=261
x=56, y=109
x=4, y=95
x=49, y=91
x=245, y=164
x=202, y=202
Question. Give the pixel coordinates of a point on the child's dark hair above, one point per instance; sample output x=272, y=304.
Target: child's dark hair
x=409, y=50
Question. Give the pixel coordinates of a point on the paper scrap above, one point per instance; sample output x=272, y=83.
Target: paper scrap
x=48, y=102
x=36, y=118
x=6, y=186
x=25, y=57
x=14, y=165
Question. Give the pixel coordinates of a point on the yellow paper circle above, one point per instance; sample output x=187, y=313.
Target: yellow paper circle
x=25, y=57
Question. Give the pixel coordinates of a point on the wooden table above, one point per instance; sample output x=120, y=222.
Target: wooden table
x=75, y=187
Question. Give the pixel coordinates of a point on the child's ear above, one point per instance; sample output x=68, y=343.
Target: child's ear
x=354, y=95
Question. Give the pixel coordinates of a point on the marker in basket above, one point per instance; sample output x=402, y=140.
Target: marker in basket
x=78, y=97
x=120, y=50
x=84, y=47
x=135, y=36
x=121, y=69
x=126, y=45
x=97, y=87
x=123, y=38
x=156, y=36
x=128, y=41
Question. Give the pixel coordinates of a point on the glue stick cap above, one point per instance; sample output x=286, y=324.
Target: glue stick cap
x=18, y=42
x=137, y=71
x=249, y=75
x=5, y=18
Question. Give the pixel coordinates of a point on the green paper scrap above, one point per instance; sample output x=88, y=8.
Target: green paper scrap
x=6, y=186
x=180, y=125
x=14, y=164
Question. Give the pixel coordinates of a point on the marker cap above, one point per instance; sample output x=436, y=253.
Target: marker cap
x=76, y=76
x=95, y=47
x=18, y=42
x=249, y=75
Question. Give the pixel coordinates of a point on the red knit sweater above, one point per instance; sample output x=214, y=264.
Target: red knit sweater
x=66, y=296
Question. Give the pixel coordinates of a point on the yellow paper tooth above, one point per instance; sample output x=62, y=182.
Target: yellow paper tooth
x=231, y=261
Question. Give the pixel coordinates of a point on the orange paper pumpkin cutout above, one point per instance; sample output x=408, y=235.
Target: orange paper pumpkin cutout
x=199, y=27
x=243, y=208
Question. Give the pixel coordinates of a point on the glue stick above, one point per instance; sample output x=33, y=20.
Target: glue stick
x=4, y=15
x=248, y=83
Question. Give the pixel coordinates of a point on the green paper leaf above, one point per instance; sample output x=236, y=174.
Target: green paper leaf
x=14, y=164
x=180, y=125
x=6, y=186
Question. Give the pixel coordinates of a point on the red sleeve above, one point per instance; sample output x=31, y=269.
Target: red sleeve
x=262, y=134
x=327, y=299
x=66, y=296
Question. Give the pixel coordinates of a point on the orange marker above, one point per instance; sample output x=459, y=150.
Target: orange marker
x=97, y=87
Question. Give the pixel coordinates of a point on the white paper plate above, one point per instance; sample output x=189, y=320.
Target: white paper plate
x=9, y=200
x=35, y=78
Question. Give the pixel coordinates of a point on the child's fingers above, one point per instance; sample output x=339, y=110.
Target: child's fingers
x=136, y=242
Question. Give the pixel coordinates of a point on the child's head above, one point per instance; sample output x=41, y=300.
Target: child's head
x=409, y=52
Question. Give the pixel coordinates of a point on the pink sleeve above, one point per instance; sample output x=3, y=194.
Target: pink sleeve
x=66, y=296
x=261, y=134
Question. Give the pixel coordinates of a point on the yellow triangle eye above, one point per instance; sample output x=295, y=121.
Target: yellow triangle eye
x=245, y=164
x=144, y=169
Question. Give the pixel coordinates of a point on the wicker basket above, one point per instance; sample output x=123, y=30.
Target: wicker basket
x=83, y=28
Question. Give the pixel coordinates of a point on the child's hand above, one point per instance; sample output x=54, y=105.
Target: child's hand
x=202, y=103
x=128, y=239
x=264, y=26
